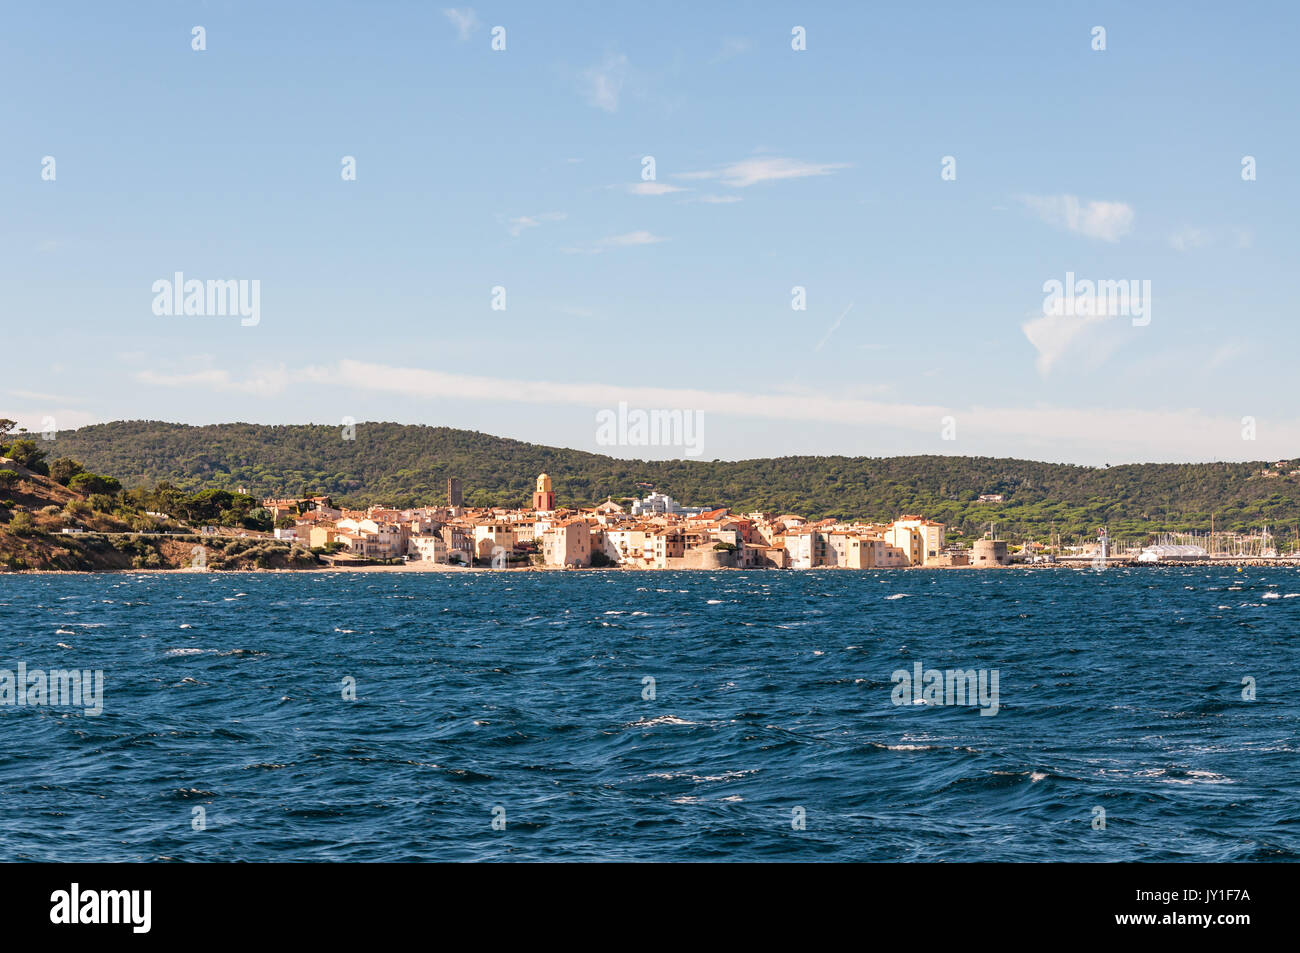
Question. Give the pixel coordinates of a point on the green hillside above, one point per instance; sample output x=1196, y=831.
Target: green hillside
x=406, y=465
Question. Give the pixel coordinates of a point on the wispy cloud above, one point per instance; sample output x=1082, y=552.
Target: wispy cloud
x=464, y=20
x=833, y=328
x=573, y=311
x=42, y=396
x=749, y=172
x=626, y=240
x=603, y=84
x=1133, y=433
x=1189, y=237
x=630, y=238
x=655, y=188
x=1108, y=221
x=1226, y=353
x=1192, y=237
x=261, y=382
x=517, y=226
x=732, y=46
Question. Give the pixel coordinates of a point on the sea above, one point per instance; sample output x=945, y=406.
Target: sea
x=1139, y=714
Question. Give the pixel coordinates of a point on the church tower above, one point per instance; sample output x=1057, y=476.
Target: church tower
x=544, y=498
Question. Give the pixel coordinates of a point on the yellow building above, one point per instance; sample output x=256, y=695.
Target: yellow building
x=921, y=539
x=488, y=536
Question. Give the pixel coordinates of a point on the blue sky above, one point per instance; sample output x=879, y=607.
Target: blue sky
x=774, y=168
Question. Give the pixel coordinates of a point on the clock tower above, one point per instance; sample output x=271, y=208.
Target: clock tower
x=544, y=498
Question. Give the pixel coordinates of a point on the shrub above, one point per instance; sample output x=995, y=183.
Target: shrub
x=20, y=524
x=8, y=478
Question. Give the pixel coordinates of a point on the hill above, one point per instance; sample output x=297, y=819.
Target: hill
x=406, y=465
x=84, y=522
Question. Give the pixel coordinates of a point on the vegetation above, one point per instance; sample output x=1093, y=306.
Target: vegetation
x=64, y=469
x=92, y=483
x=25, y=453
x=111, y=528
x=405, y=465
x=21, y=524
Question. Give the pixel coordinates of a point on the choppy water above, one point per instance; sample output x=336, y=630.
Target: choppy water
x=1119, y=690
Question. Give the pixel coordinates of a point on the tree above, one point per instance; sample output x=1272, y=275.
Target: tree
x=7, y=477
x=64, y=469
x=27, y=454
x=256, y=518
x=93, y=483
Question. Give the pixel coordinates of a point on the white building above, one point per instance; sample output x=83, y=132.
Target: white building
x=430, y=548
x=663, y=503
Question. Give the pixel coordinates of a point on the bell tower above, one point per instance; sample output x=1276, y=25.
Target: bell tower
x=544, y=498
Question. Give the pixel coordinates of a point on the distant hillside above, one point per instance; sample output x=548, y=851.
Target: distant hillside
x=406, y=465
x=111, y=532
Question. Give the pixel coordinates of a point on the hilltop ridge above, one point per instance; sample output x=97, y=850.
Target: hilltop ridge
x=406, y=464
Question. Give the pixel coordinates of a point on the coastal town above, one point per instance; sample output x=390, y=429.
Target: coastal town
x=654, y=532
x=56, y=515
x=658, y=532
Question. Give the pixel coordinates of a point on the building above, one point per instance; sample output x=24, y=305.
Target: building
x=321, y=535
x=990, y=552
x=805, y=548
x=544, y=497
x=920, y=538
x=850, y=550
x=454, y=497
x=665, y=544
x=881, y=555
x=624, y=545
x=567, y=544
x=431, y=548
x=372, y=539
x=459, y=540
x=1171, y=553
x=662, y=503
x=491, y=535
